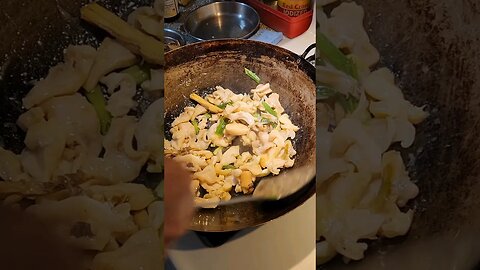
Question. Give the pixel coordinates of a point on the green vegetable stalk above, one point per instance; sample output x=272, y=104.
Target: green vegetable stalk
x=349, y=104
x=334, y=56
x=252, y=75
x=228, y=167
x=224, y=105
x=218, y=149
x=139, y=73
x=96, y=98
x=268, y=122
x=222, y=123
x=269, y=109
x=324, y=92
x=195, y=126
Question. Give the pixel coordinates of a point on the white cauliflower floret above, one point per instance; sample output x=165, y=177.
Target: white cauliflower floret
x=396, y=223
x=85, y=222
x=137, y=196
x=64, y=78
x=274, y=102
x=221, y=95
x=121, y=101
x=147, y=20
x=155, y=213
x=245, y=106
x=245, y=119
x=244, y=116
x=274, y=165
x=149, y=135
x=30, y=117
x=210, y=202
x=183, y=134
x=78, y=122
x=236, y=129
x=198, y=110
x=185, y=116
x=230, y=156
x=277, y=137
x=44, y=143
x=202, y=142
x=143, y=250
x=192, y=162
x=121, y=162
x=216, y=139
x=111, y=56
x=208, y=175
x=261, y=90
x=350, y=227
x=156, y=81
x=10, y=166
x=286, y=123
x=253, y=166
x=345, y=29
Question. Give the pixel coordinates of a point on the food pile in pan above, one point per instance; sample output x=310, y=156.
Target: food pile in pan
x=85, y=147
x=230, y=140
x=362, y=184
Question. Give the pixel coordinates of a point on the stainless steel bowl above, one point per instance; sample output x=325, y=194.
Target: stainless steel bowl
x=222, y=20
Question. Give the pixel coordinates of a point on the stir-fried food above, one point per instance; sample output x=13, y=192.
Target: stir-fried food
x=362, y=185
x=230, y=140
x=84, y=150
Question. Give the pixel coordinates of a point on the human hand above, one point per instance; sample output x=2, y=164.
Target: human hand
x=178, y=201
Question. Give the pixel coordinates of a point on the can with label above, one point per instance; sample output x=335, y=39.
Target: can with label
x=171, y=10
x=293, y=8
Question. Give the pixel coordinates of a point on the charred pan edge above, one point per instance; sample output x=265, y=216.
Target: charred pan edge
x=254, y=49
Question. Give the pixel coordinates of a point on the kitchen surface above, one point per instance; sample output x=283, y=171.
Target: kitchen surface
x=297, y=44
x=287, y=242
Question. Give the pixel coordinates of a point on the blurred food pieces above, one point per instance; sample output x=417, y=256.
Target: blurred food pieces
x=26, y=243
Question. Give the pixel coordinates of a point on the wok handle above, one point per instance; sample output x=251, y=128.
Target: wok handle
x=311, y=58
x=305, y=53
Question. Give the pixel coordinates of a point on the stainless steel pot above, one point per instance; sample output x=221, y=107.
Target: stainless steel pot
x=221, y=20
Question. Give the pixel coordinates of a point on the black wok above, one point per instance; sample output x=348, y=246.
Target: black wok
x=200, y=66
x=433, y=47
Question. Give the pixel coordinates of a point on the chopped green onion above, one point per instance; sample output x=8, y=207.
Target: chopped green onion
x=252, y=75
x=218, y=149
x=96, y=98
x=228, y=167
x=329, y=52
x=269, y=122
x=195, y=126
x=324, y=92
x=269, y=109
x=224, y=105
x=222, y=123
x=138, y=73
x=349, y=104
x=208, y=116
